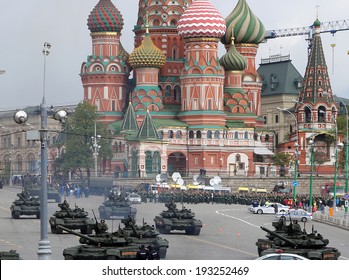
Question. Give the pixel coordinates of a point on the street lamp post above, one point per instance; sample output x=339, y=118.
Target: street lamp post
x=295, y=183
x=311, y=144
x=10, y=159
x=20, y=117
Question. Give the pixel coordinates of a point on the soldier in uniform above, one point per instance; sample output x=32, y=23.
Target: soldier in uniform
x=142, y=254
x=152, y=254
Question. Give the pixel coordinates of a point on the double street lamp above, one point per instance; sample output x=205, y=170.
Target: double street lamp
x=296, y=153
x=95, y=149
x=20, y=117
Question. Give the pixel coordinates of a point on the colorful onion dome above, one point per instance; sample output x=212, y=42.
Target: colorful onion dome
x=105, y=17
x=233, y=60
x=201, y=19
x=248, y=29
x=147, y=55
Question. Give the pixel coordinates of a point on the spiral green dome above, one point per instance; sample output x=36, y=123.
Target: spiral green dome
x=233, y=60
x=248, y=29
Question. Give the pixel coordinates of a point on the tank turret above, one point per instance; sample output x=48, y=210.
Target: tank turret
x=116, y=206
x=118, y=238
x=175, y=219
x=292, y=239
x=71, y=219
x=145, y=235
x=25, y=205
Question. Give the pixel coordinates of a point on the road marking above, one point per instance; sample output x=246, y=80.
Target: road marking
x=219, y=245
x=235, y=218
x=9, y=243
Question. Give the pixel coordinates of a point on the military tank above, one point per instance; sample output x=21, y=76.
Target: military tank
x=72, y=219
x=145, y=235
x=9, y=255
x=292, y=239
x=26, y=205
x=176, y=219
x=116, y=206
x=32, y=184
x=102, y=246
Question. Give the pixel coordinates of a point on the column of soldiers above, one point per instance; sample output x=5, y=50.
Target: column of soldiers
x=198, y=196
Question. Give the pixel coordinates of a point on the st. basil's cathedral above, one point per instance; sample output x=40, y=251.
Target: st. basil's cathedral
x=174, y=105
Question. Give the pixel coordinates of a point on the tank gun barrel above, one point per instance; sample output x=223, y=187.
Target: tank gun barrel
x=288, y=241
x=86, y=237
x=21, y=197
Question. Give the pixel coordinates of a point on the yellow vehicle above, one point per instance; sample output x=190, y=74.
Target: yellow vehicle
x=259, y=190
x=243, y=190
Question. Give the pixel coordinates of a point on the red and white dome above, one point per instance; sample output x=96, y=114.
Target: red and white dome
x=201, y=19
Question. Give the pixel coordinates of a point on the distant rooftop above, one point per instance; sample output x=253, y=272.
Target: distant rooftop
x=275, y=58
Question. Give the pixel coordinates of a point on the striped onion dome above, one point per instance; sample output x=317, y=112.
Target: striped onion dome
x=147, y=55
x=233, y=60
x=201, y=19
x=248, y=29
x=105, y=17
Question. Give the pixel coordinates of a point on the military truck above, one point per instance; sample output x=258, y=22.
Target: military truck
x=26, y=205
x=177, y=219
x=71, y=219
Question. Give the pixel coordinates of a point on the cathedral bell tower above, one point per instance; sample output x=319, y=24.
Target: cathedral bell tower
x=105, y=74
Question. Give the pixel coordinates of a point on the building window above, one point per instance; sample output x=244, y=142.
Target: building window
x=179, y=134
x=198, y=134
x=191, y=134
x=216, y=134
x=170, y=134
x=265, y=119
x=209, y=134
x=276, y=118
x=236, y=135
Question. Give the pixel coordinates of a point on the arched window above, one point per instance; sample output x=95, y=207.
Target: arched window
x=246, y=135
x=168, y=91
x=216, y=134
x=170, y=134
x=191, y=134
x=237, y=158
x=209, y=134
x=177, y=93
x=236, y=135
x=198, y=134
x=321, y=114
x=161, y=134
x=179, y=134
x=267, y=138
x=255, y=136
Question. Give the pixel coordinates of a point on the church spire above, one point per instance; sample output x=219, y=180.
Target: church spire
x=148, y=129
x=130, y=120
x=316, y=82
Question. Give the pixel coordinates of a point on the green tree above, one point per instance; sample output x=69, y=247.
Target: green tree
x=77, y=157
x=282, y=160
